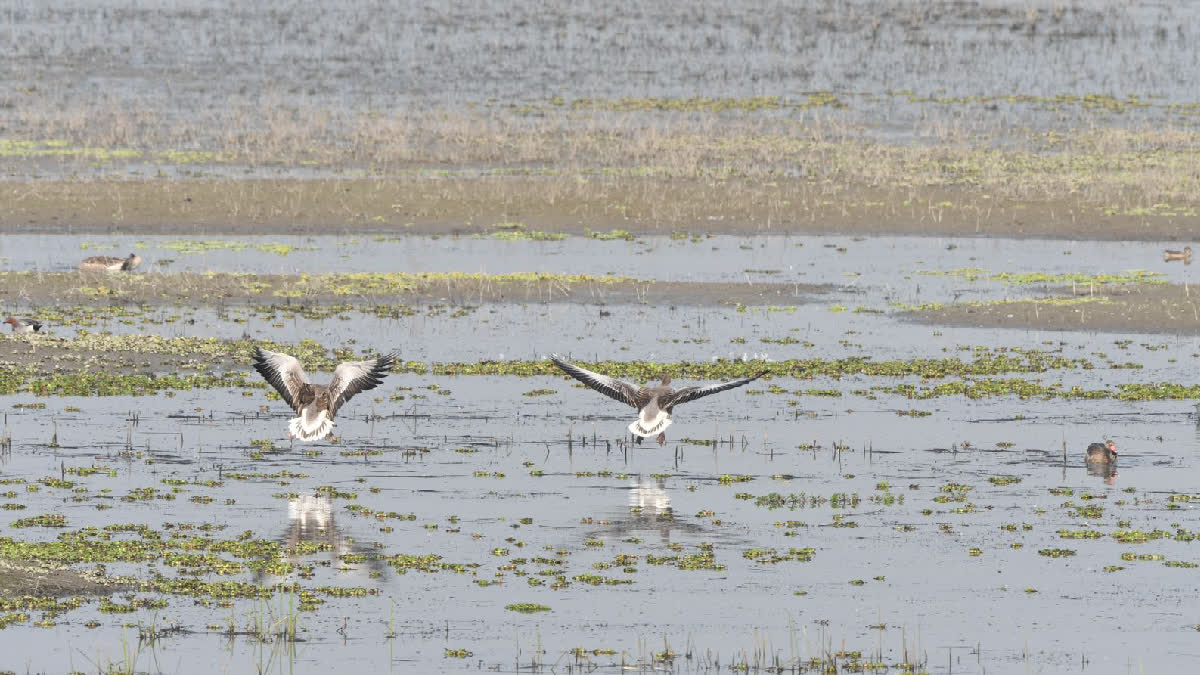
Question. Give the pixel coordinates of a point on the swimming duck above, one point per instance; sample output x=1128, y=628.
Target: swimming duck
x=315, y=404
x=654, y=404
x=23, y=325
x=1102, y=453
x=1185, y=255
x=111, y=263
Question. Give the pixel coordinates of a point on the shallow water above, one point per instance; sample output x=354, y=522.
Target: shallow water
x=470, y=457
x=929, y=596
x=891, y=267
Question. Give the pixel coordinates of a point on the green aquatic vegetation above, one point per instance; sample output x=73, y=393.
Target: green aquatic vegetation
x=769, y=556
x=190, y=246
x=1027, y=278
x=46, y=520
x=986, y=363
x=611, y=235
x=600, y=580
x=1056, y=552
x=1088, y=511
x=1080, y=534
x=1139, y=536
x=1004, y=480
x=1143, y=557
x=539, y=392
x=527, y=607
x=519, y=233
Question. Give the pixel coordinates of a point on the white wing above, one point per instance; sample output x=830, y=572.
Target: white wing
x=352, y=377
x=283, y=372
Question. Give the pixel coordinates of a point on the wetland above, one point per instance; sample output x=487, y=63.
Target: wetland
x=951, y=271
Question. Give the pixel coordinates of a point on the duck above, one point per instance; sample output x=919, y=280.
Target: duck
x=654, y=404
x=23, y=325
x=1185, y=255
x=315, y=404
x=1102, y=453
x=111, y=263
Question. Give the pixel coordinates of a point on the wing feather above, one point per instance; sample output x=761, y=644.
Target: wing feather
x=352, y=377
x=692, y=393
x=611, y=387
x=282, y=371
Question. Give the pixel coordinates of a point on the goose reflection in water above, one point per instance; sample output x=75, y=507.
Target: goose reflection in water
x=649, y=509
x=311, y=530
x=1106, y=471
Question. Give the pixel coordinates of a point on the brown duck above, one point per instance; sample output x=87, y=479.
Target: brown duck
x=1102, y=453
x=654, y=404
x=1185, y=255
x=316, y=404
x=111, y=263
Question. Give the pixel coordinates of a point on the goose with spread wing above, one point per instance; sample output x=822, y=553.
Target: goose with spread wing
x=316, y=404
x=654, y=404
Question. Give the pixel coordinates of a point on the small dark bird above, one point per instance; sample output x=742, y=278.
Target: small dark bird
x=654, y=404
x=23, y=325
x=316, y=404
x=1102, y=453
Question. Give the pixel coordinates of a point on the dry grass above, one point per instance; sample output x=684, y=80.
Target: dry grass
x=574, y=167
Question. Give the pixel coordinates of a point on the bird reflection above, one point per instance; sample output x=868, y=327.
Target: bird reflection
x=649, y=509
x=311, y=530
x=1106, y=471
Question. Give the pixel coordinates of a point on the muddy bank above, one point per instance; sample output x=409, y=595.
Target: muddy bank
x=1160, y=309
x=25, y=579
x=562, y=205
x=26, y=288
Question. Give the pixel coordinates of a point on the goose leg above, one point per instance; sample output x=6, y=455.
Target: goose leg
x=637, y=440
x=662, y=438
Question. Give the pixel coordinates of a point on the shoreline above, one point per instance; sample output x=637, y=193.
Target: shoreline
x=630, y=205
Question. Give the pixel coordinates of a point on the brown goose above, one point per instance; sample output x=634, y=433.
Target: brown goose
x=1102, y=453
x=111, y=263
x=1185, y=255
x=654, y=404
x=23, y=325
x=316, y=404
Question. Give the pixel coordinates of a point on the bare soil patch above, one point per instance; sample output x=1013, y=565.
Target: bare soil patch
x=639, y=206
x=1161, y=309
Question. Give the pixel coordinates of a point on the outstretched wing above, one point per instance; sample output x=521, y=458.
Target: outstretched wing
x=283, y=372
x=692, y=393
x=352, y=377
x=611, y=387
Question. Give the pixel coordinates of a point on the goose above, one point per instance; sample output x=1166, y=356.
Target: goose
x=1185, y=255
x=23, y=325
x=111, y=263
x=654, y=404
x=316, y=404
x=1102, y=453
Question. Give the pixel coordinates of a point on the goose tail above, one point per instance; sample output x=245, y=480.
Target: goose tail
x=311, y=427
x=651, y=426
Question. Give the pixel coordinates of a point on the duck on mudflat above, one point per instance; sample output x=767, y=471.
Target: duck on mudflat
x=111, y=263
